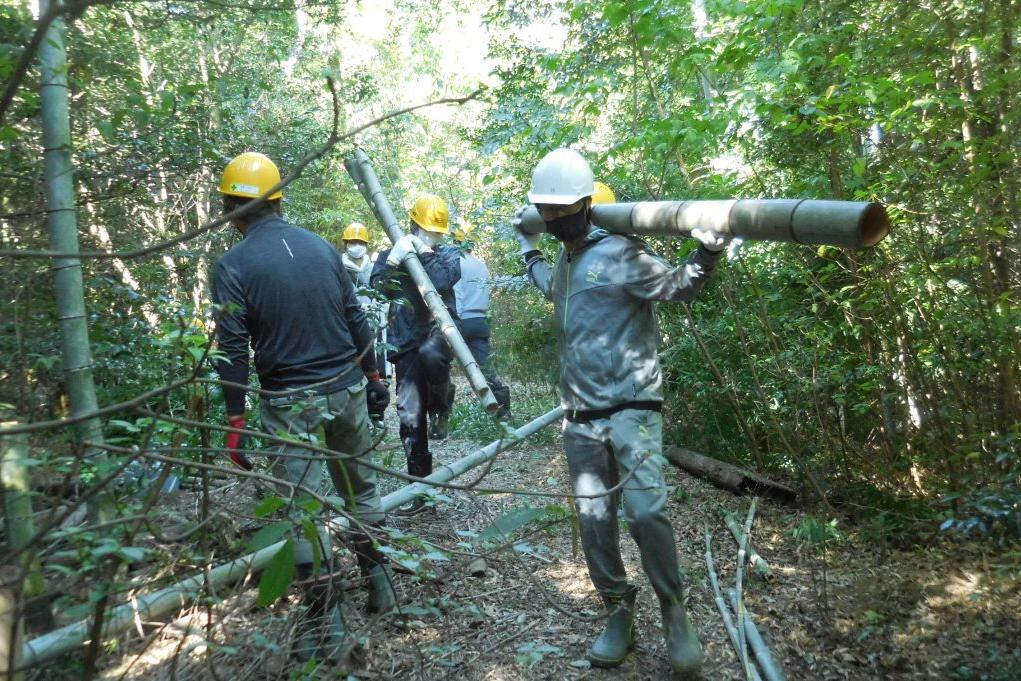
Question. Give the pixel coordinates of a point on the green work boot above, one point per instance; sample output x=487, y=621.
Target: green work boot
x=321, y=632
x=377, y=575
x=618, y=637
x=682, y=646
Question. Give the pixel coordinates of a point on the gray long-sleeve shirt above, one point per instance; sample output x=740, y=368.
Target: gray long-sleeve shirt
x=603, y=296
x=289, y=296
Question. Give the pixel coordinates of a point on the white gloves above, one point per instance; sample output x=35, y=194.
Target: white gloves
x=528, y=242
x=713, y=241
x=409, y=243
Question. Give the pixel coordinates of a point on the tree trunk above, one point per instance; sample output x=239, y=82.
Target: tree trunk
x=60, y=201
x=737, y=480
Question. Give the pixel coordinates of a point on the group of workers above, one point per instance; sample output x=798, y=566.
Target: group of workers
x=291, y=297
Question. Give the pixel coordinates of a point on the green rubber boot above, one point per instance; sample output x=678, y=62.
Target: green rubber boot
x=321, y=632
x=682, y=645
x=377, y=574
x=618, y=638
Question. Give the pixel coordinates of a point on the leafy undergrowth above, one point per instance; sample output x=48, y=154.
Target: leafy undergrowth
x=838, y=607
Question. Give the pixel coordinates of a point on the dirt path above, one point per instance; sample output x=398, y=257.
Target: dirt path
x=941, y=612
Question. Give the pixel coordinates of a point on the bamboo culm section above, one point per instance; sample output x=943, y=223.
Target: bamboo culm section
x=360, y=170
x=157, y=603
x=58, y=181
x=850, y=224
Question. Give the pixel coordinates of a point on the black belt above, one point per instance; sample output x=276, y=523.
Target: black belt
x=576, y=416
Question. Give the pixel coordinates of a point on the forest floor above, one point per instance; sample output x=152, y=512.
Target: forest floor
x=859, y=610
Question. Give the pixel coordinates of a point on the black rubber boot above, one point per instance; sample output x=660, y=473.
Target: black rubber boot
x=321, y=632
x=683, y=647
x=618, y=638
x=377, y=574
x=502, y=394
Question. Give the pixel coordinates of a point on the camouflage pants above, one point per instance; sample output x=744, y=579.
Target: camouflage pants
x=600, y=454
x=340, y=422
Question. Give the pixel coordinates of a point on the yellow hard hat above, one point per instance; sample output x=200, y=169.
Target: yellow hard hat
x=431, y=214
x=250, y=175
x=602, y=194
x=356, y=231
x=462, y=230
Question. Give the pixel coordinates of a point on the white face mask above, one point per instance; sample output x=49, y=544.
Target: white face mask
x=356, y=251
x=430, y=239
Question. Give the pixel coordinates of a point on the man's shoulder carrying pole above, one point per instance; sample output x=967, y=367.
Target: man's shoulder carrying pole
x=850, y=224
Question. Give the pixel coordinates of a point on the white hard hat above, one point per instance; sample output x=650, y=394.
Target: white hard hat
x=562, y=177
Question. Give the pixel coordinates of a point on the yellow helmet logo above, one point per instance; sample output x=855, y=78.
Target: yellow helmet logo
x=431, y=214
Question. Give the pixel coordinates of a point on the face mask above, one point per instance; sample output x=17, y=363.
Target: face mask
x=430, y=239
x=569, y=227
x=356, y=251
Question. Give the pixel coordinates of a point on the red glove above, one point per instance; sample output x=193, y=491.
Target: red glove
x=236, y=441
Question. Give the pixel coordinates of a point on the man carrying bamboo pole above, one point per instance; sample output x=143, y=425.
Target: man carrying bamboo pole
x=422, y=358
x=602, y=288
x=284, y=291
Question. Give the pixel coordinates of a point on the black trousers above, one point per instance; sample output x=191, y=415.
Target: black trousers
x=423, y=374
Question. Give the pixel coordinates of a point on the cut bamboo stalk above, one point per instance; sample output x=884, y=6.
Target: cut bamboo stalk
x=18, y=519
x=721, y=605
x=758, y=563
x=851, y=224
x=360, y=169
x=727, y=476
x=741, y=615
x=152, y=605
x=769, y=667
x=12, y=622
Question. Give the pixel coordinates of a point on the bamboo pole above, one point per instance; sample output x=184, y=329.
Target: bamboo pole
x=11, y=623
x=155, y=604
x=18, y=519
x=58, y=180
x=759, y=563
x=851, y=224
x=360, y=169
x=770, y=670
x=721, y=605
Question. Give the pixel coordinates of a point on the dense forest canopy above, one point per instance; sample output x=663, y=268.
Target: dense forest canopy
x=882, y=383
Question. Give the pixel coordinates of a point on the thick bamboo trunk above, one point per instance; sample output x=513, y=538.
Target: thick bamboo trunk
x=737, y=480
x=851, y=224
x=361, y=172
x=60, y=201
x=18, y=519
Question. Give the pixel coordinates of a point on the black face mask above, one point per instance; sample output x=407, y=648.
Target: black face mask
x=569, y=227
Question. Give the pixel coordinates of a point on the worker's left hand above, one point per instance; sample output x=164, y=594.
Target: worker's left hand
x=713, y=241
x=409, y=243
x=377, y=396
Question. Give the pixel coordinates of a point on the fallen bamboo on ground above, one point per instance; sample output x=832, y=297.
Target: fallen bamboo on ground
x=757, y=562
x=152, y=605
x=360, y=170
x=739, y=607
x=770, y=670
x=728, y=476
x=721, y=605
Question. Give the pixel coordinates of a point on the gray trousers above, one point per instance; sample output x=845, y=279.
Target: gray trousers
x=340, y=422
x=599, y=455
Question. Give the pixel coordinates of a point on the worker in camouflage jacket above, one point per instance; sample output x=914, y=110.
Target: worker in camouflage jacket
x=603, y=287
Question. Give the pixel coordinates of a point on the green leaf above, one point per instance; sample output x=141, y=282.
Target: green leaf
x=278, y=575
x=268, y=506
x=268, y=535
x=511, y=521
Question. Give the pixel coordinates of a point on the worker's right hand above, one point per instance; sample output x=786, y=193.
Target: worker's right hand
x=407, y=244
x=377, y=397
x=527, y=242
x=236, y=442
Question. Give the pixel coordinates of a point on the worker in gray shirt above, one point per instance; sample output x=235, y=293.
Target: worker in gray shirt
x=471, y=295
